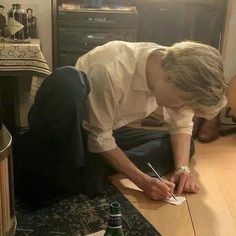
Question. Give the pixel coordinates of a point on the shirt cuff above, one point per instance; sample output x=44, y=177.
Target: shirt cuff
x=187, y=130
x=179, y=122
x=101, y=143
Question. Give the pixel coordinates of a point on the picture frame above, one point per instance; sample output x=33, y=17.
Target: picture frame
x=32, y=11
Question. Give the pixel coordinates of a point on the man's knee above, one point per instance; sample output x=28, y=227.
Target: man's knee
x=72, y=80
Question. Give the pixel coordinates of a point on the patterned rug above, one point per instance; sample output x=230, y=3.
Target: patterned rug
x=79, y=215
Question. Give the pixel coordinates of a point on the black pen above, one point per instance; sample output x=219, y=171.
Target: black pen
x=159, y=177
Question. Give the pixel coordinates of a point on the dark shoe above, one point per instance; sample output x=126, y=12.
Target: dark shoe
x=93, y=175
x=210, y=130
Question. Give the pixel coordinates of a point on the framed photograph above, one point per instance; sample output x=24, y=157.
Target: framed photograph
x=32, y=17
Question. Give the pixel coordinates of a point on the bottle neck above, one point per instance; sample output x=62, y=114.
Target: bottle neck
x=115, y=221
x=16, y=6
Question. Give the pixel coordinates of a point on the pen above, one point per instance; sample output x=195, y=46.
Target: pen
x=159, y=177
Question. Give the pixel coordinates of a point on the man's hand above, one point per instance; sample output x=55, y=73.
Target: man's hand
x=152, y=187
x=157, y=190
x=184, y=182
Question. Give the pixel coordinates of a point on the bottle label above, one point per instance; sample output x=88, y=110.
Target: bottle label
x=14, y=26
x=115, y=221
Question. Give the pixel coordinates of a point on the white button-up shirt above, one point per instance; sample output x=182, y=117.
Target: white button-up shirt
x=119, y=92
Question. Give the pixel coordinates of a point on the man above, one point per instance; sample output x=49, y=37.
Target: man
x=3, y=22
x=134, y=79
x=114, y=85
x=31, y=23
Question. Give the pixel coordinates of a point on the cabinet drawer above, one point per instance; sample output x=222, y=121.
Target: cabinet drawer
x=85, y=37
x=98, y=19
x=77, y=30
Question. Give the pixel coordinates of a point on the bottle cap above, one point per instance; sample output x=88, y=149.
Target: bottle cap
x=115, y=208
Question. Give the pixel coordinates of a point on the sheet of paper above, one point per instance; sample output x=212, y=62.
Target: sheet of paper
x=179, y=201
x=99, y=233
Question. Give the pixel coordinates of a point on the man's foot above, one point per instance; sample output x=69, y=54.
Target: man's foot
x=93, y=175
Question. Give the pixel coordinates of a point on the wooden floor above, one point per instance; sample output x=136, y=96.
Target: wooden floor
x=210, y=212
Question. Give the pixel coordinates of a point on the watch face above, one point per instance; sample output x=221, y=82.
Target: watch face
x=184, y=168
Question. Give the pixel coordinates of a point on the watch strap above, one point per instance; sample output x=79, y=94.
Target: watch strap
x=183, y=168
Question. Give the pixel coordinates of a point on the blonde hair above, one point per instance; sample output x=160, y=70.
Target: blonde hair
x=196, y=71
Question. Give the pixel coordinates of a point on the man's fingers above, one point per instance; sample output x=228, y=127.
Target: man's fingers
x=194, y=188
x=181, y=184
x=170, y=185
x=172, y=179
x=188, y=185
x=191, y=186
x=184, y=183
x=159, y=190
x=166, y=188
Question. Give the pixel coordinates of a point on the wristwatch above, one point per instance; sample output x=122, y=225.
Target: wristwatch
x=184, y=168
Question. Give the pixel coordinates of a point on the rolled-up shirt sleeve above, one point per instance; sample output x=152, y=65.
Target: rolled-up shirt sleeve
x=102, y=108
x=179, y=122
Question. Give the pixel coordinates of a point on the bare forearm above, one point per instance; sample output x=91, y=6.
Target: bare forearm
x=122, y=164
x=181, y=148
x=183, y=179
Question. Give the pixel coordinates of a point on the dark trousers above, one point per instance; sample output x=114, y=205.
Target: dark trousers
x=51, y=158
x=48, y=157
x=143, y=146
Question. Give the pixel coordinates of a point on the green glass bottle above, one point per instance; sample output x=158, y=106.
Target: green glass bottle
x=114, y=227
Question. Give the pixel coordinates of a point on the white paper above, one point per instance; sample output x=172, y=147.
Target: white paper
x=179, y=201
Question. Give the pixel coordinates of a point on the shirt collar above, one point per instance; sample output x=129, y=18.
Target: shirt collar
x=139, y=81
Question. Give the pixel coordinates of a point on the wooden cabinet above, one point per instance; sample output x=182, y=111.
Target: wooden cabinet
x=170, y=21
x=7, y=206
x=22, y=68
x=77, y=29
